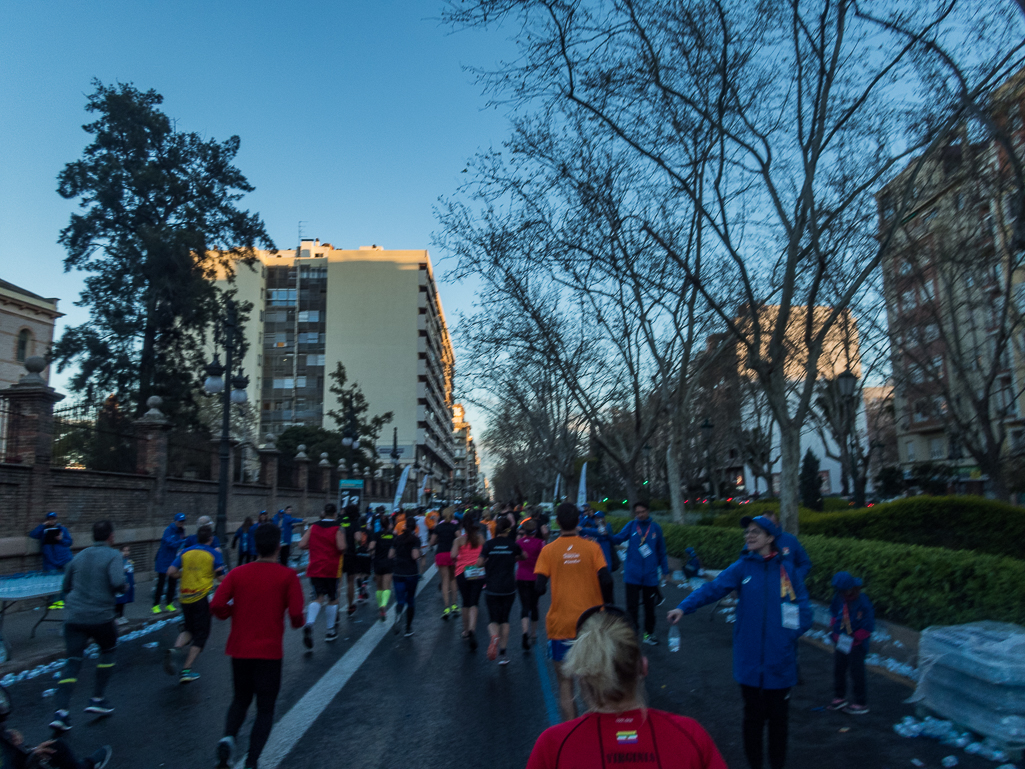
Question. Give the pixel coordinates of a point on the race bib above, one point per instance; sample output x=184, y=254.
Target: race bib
x=474, y=572
x=791, y=616
x=645, y=551
x=844, y=644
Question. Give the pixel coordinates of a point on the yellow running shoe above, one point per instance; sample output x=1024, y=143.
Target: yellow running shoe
x=156, y=610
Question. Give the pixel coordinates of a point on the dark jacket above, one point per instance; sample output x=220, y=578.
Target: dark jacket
x=861, y=615
x=640, y=570
x=285, y=523
x=792, y=551
x=168, y=550
x=597, y=530
x=764, y=652
x=244, y=540
x=56, y=555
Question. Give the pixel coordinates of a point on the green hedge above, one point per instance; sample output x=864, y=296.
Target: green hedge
x=913, y=585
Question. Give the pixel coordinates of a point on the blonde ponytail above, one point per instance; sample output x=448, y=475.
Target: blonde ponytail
x=606, y=660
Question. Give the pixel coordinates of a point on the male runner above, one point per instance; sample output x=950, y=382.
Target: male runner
x=580, y=579
x=351, y=565
x=326, y=542
x=256, y=596
x=197, y=567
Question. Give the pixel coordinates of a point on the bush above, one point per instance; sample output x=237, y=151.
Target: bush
x=955, y=522
x=912, y=585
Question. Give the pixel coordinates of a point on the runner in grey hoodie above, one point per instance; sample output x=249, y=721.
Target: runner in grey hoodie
x=91, y=583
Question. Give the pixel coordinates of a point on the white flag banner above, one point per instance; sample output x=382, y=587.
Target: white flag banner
x=582, y=490
x=558, y=481
x=401, y=487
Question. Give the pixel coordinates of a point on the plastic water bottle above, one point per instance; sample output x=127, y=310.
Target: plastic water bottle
x=674, y=638
x=949, y=761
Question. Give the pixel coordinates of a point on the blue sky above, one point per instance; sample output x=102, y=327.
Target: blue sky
x=354, y=116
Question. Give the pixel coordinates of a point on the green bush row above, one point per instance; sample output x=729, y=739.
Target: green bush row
x=909, y=584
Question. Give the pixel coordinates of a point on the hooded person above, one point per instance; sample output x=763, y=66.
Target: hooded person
x=170, y=543
x=773, y=611
x=851, y=626
x=55, y=543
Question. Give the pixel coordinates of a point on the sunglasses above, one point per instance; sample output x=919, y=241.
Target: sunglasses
x=606, y=608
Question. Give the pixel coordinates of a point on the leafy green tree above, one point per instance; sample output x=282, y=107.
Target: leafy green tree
x=353, y=418
x=811, y=482
x=158, y=221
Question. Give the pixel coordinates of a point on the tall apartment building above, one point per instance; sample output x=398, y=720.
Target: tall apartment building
x=378, y=313
x=26, y=329
x=466, y=475
x=955, y=296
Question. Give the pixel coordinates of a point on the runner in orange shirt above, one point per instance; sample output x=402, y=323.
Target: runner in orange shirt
x=580, y=579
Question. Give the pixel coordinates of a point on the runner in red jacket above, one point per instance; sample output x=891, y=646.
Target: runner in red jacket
x=256, y=596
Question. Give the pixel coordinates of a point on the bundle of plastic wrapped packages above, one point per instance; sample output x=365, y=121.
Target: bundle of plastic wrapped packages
x=974, y=675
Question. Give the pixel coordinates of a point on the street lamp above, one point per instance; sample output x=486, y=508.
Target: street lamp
x=706, y=433
x=846, y=383
x=646, y=451
x=216, y=374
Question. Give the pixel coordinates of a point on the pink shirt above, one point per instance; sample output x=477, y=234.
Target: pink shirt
x=531, y=547
x=467, y=556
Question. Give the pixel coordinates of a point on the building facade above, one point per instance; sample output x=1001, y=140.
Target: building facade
x=466, y=474
x=375, y=311
x=26, y=329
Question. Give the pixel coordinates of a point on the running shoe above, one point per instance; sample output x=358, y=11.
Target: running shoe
x=155, y=610
x=308, y=636
x=188, y=676
x=503, y=660
x=455, y=609
x=526, y=642
x=331, y=634
x=384, y=614
x=650, y=640
x=169, y=657
x=225, y=748
x=856, y=710
x=61, y=721
x=56, y=605
x=409, y=632
x=493, y=649
x=445, y=614
x=351, y=610
x=122, y=620
x=170, y=607
x=839, y=703
x=99, y=705
x=101, y=757
x=472, y=641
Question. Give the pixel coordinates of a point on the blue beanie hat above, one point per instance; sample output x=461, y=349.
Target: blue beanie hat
x=179, y=517
x=762, y=522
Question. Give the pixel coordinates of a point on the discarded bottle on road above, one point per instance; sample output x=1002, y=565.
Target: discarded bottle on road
x=674, y=638
x=949, y=761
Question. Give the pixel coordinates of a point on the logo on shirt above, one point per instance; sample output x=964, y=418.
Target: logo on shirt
x=746, y=580
x=786, y=551
x=627, y=738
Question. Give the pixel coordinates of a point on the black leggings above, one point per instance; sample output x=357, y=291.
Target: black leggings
x=500, y=607
x=470, y=590
x=633, y=596
x=855, y=663
x=528, y=598
x=76, y=639
x=261, y=678
x=172, y=583
x=761, y=705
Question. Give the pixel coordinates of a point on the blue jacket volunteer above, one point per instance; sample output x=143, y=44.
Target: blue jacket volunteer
x=773, y=611
x=56, y=543
x=645, y=555
x=170, y=543
x=284, y=520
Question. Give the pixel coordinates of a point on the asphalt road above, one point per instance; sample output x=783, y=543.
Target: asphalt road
x=426, y=701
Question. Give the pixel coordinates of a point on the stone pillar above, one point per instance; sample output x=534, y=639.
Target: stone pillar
x=325, y=476
x=151, y=455
x=302, y=462
x=30, y=435
x=269, y=454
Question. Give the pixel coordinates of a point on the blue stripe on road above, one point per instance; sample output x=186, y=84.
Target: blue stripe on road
x=551, y=703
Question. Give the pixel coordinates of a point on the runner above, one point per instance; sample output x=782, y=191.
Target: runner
x=91, y=583
x=351, y=565
x=499, y=557
x=326, y=542
x=619, y=730
x=380, y=551
x=256, y=597
x=405, y=556
x=364, y=561
x=466, y=549
x=443, y=536
x=197, y=567
x=530, y=543
x=580, y=579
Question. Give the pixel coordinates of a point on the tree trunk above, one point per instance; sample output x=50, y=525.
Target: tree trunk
x=676, y=497
x=790, y=470
x=993, y=467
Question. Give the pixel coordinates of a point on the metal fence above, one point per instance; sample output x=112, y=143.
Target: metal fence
x=87, y=437
x=191, y=455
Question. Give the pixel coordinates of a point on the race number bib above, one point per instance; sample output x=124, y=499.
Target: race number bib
x=791, y=616
x=844, y=644
x=645, y=551
x=474, y=572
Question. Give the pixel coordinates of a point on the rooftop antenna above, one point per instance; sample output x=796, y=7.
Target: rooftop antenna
x=298, y=248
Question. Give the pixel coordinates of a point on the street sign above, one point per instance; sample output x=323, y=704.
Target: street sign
x=350, y=492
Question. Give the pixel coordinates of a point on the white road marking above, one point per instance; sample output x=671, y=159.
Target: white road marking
x=293, y=725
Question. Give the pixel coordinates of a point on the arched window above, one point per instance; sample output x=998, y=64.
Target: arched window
x=24, y=338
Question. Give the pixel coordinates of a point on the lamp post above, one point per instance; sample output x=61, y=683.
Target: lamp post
x=706, y=433
x=846, y=383
x=646, y=451
x=216, y=378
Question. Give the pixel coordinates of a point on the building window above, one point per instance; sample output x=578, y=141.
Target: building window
x=909, y=449
x=936, y=448
x=314, y=360
x=309, y=316
x=24, y=344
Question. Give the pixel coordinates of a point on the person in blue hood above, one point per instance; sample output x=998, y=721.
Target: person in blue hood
x=284, y=520
x=645, y=554
x=772, y=612
x=853, y=620
x=56, y=543
x=170, y=542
